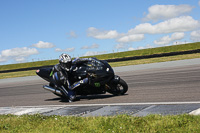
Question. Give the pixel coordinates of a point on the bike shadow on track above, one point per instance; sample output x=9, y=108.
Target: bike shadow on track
x=88, y=97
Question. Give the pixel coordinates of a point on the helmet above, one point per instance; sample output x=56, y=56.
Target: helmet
x=65, y=61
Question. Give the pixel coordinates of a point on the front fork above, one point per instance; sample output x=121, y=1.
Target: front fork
x=113, y=83
x=115, y=80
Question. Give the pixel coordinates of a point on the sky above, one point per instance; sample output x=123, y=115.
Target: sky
x=36, y=30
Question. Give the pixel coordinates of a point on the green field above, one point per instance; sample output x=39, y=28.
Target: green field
x=110, y=124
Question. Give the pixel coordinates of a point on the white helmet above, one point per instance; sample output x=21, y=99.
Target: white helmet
x=65, y=61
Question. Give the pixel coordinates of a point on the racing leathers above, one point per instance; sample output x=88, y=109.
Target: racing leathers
x=61, y=80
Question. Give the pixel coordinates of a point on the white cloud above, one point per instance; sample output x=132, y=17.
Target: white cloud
x=42, y=44
x=149, y=46
x=72, y=34
x=180, y=24
x=121, y=46
x=90, y=47
x=17, y=54
x=131, y=48
x=195, y=36
x=113, y=34
x=138, y=48
x=131, y=38
x=145, y=47
x=23, y=52
x=91, y=53
x=101, y=34
x=163, y=12
x=2, y=59
x=20, y=59
x=65, y=50
x=167, y=39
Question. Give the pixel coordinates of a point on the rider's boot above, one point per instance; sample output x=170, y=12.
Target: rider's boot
x=68, y=93
x=71, y=95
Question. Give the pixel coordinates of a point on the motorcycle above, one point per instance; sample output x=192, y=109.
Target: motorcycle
x=102, y=79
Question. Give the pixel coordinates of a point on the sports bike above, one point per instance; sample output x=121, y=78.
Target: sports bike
x=101, y=76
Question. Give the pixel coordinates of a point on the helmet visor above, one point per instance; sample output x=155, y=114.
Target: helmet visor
x=66, y=66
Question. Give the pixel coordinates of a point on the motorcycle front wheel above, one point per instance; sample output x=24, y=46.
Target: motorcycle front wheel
x=119, y=89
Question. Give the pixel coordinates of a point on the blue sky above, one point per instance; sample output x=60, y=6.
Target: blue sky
x=32, y=30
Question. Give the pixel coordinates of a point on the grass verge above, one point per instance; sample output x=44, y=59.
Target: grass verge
x=151, y=51
x=113, y=64
x=17, y=74
x=120, y=123
x=155, y=60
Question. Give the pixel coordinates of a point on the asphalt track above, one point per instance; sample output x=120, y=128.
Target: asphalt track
x=166, y=88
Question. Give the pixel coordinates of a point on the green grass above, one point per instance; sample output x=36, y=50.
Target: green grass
x=27, y=65
x=113, y=64
x=120, y=124
x=175, y=48
x=159, y=50
x=17, y=74
x=155, y=60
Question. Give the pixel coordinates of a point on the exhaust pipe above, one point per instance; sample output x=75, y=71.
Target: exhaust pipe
x=55, y=91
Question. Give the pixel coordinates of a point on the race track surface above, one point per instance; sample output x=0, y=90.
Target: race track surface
x=152, y=83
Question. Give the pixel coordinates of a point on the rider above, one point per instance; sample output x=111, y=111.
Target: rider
x=61, y=71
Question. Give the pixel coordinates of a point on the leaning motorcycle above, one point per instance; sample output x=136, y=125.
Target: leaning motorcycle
x=102, y=79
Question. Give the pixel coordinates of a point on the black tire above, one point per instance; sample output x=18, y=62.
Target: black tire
x=120, y=89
